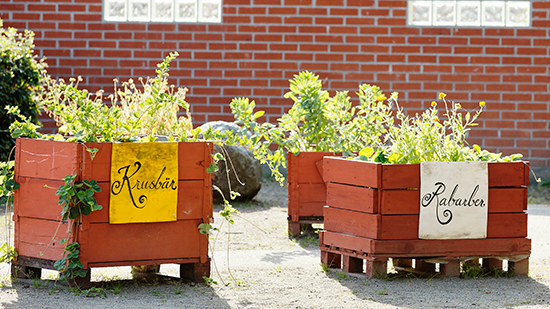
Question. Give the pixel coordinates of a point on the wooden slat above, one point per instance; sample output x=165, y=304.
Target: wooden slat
x=306, y=164
x=192, y=162
x=312, y=192
x=395, y=227
x=98, y=168
x=425, y=248
x=142, y=241
x=357, y=173
x=311, y=209
x=36, y=234
x=405, y=202
x=36, y=198
x=400, y=176
x=46, y=159
x=351, y=222
x=507, y=174
x=352, y=198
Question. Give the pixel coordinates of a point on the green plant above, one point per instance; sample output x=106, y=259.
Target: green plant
x=20, y=80
x=315, y=122
x=77, y=198
x=427, y=138
x=95, y=292
x=69, y=266
x=209, y=281
x=135, y=113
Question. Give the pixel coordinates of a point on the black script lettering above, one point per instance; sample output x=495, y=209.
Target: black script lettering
x=138, y=184
x=126, y=180
x=429, y=197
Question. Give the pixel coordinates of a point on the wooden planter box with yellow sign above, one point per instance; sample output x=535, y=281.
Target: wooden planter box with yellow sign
x=372, y=214
x=306, y=190
x=39, y=169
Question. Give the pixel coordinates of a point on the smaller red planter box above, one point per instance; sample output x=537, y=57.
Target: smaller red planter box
x=40, y=166
x=306, y=190
x=373, y=209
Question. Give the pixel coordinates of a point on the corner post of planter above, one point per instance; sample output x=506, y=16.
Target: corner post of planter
x=450, y=269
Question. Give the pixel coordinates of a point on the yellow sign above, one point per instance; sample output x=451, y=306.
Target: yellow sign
x=144, y=182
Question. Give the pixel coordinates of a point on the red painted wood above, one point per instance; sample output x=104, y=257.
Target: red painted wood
x=352, y=198
x=46, y=159
x=36, y=198
x=400, y=176
x=507, y=174
x=351, y=222
x=352, y=264
x=35, y=235
x=306, y=163
x=98, y=168
x=101, y=243
x=142, y=241
x=357, y=173
x=507, y=225
x=440, y=248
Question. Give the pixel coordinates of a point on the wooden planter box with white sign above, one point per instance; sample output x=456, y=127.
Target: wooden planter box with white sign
x=372, y=214
x=39, y=169
x=306, y=190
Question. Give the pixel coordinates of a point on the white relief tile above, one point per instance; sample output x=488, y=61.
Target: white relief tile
x=420, y=13
x=115, y=10
x=210, y=11
x=492, y=13
x=444, y=13
x=469, y=13
x=186, y=10
x=518, y=14
x=139, y=10
x=163, y=10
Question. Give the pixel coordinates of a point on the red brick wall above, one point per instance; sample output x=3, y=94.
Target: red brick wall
x=262, y=43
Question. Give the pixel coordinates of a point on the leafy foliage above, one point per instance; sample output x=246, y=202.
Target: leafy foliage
x=136, y=112
x=69, y=266
x=427, y=138
x=316, y=122
x=77, y=198
x=20, y=79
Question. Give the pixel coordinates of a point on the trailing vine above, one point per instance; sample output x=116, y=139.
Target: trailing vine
x=78, y=200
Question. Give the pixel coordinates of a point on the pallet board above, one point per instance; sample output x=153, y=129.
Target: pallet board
x=39, y=169
x=372, y=213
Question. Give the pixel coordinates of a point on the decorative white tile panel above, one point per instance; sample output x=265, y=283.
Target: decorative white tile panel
x=444, y=13
x=186, y=10
x=163, y=10
x=468, y=13
x=420, y=13
x=210, y=11
x=193, y=11
x=492, y=13
x=518, y=14
x=139, y=10
x=115, y=10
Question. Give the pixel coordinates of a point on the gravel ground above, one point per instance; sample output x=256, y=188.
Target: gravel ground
x=267, y=269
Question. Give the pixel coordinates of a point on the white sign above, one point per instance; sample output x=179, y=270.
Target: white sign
x=453, y=200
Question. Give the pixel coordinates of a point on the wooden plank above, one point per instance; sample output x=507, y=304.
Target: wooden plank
x=507, y=225
x=312, y=192
x=193, y=162
x=507, y=174
x=305, y=162
x=143, y=241
x=398, y=227
x=440, y=248
x=36, y=198
x=398, y=202
x=394, y=202
x=35, y=235
x=46, y=159
x=351, y=222
x=98, y=168
x=190, y=202
x=352, y=198
x=400, y=176
x=357, y=173
x=311, y=209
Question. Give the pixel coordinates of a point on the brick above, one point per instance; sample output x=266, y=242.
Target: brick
x=422, y=59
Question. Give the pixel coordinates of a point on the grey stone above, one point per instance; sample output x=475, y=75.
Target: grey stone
x=244, y=172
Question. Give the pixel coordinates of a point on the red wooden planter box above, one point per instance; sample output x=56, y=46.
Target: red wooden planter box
x=39, y=169
x=306, y=189
x=373, y=209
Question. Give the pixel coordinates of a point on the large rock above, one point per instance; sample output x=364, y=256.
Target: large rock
x=243, y=173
